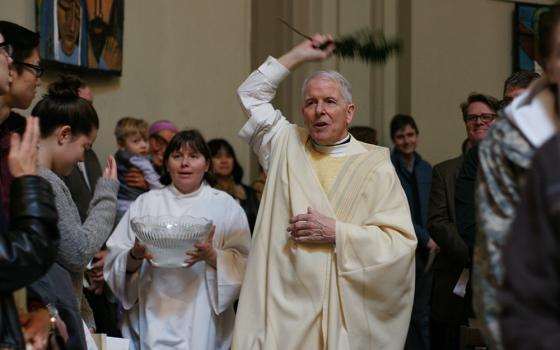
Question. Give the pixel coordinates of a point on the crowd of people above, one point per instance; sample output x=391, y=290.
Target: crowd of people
x=340, y=244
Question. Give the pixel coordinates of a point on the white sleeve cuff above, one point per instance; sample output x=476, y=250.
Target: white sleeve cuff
x=274, y=71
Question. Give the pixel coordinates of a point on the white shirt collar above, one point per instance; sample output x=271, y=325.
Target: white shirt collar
x=339, y=149
x=180, y=194
x=533, y=113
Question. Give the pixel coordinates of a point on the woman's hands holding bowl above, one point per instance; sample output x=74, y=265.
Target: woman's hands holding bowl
x=136, y=255
x=204, y=251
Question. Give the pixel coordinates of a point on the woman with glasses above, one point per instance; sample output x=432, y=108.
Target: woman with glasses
x=24, y=82
x=25, y=72
x=29, y=236
x=160, y=133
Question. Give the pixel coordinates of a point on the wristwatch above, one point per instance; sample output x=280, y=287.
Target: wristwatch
x=53, y=314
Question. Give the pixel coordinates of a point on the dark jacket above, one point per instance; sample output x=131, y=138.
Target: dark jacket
x=464, y=198
x=454, y=254
x=122, y=158
x=55, y=287
x=14, y=123
x=250, y=205
x=529, y=298
x=76, y=182
x=417, y=186
x=27, y=248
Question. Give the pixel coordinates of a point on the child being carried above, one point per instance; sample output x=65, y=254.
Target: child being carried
x=132, y=139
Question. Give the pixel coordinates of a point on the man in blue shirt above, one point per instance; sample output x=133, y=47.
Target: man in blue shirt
x=415, y=175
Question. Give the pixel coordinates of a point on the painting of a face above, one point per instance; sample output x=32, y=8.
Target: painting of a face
x=68, y=16
x=82, y=35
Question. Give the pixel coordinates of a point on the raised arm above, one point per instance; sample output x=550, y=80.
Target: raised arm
x=308, y=51
x=81, y=241
x=258, y=90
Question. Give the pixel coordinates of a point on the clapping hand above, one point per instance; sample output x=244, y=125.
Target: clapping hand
x=22, y=159
x=110, y=170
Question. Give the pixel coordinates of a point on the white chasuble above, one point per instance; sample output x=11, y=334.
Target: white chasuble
x=357, y=294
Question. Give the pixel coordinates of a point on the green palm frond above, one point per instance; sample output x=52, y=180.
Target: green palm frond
x=368, y=46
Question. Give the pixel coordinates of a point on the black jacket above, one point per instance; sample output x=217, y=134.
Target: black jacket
x=28, y=248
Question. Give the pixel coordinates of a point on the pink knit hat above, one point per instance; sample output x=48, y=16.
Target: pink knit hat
x=162, y=125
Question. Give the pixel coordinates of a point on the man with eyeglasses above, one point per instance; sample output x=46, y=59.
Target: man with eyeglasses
x=505, y=157
x=449, y=310
x=479, y=113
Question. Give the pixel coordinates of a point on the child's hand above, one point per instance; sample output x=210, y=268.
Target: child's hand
x=110, y=170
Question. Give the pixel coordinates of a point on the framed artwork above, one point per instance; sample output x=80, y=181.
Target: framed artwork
x=525, y=51
x=537, y=2
x=81, y=35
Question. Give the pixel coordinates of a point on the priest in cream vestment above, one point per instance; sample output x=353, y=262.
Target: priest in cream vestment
x=332, y=258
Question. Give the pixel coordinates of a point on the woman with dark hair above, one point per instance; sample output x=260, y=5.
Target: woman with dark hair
x=69, y=126
x=228, y=174
x=185, y=307
x=28, y=241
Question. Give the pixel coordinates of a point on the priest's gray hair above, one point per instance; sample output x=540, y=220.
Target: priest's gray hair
x=332, y=76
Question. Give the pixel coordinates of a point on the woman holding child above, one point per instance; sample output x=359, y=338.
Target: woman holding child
x=132, y=139
x=185, y=307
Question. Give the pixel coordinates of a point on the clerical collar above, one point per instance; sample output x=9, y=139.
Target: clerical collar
x=337, y=149
x=180, y=194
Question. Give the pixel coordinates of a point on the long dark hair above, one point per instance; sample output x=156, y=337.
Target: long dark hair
x=62, y=106
x=195, y=140
x=216, y=145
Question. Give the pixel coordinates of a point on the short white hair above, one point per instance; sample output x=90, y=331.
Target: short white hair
x=331, y=75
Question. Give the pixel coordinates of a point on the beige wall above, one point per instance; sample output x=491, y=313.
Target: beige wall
x=186, y=65
x=374, y=87
x=183, y=60
x=450, y=48
x=457, y=46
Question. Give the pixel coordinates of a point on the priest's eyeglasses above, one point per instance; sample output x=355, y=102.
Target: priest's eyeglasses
x=6, y=49
x=37, y=70
x=484, y=117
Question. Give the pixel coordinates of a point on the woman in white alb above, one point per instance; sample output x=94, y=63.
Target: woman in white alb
x=181, y=308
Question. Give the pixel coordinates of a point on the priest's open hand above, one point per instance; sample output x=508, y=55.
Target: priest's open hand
x=312, y=227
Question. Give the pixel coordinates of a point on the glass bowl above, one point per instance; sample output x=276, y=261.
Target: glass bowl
x=167, y=238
